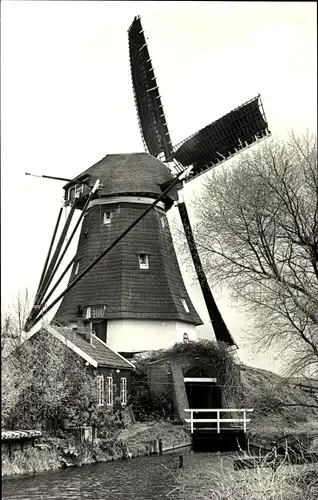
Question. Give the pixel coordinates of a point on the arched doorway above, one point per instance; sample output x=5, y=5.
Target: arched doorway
x=202, y=391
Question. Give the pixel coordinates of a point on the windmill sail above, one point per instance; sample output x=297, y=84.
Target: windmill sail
x=152, y=121
x=217, y=142
x=223, y=138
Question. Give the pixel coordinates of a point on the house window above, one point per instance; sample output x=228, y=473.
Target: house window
x=107, y=217
x=185, y=338
x=77, y=265
x=185, y=305
x=100, y=389
x=143, y=261
x=123, y=391
x=88, y=313
x=109, y=391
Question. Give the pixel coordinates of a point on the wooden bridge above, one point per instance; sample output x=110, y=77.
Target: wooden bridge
x=219, y=429
x=218, y=420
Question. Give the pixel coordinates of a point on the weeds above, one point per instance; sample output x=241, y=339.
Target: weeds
x=31, y=461
x=268, y=479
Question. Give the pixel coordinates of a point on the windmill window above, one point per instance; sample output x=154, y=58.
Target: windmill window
x=79, y=188
x=71, y=193
x=185, y=305
x=76, y=268
x=185, y=338
x=143, y=261
x=109, y=391
x=123, y=391
x=163, y=222
x=95, y=312
x=98, y=312
x=107, y=218
x=100, y=389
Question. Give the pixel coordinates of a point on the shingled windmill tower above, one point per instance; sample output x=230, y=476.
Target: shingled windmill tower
x=133, y=296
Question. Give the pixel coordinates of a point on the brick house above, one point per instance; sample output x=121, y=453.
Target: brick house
x=113, y=370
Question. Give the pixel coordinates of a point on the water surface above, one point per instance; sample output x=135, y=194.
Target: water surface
x=143, y=478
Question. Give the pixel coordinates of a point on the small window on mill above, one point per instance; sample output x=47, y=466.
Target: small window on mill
x=143, y=261
x=107, y=218
x=185, y=338
x=71, y=193
x=76, y=268
x=98, y=311
x=185, y=305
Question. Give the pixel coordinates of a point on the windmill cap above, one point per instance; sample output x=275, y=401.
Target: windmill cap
x=131, y=173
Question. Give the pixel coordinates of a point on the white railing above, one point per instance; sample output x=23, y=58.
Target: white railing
x=218, y=418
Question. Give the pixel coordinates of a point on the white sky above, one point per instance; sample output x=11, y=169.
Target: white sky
x=66, y=99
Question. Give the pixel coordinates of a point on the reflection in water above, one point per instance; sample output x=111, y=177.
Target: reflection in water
x=143, y=478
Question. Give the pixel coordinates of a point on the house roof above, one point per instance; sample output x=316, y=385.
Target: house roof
x=95, y=352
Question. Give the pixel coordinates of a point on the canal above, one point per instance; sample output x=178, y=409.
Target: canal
x=144, y=478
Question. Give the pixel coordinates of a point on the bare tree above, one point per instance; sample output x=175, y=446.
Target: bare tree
x=12, y=322
x=257, y=233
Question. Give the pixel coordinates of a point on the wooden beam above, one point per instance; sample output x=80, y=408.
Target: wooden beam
x=48, y=255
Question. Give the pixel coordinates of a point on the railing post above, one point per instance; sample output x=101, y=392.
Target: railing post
x=218, y=420
x=191, y=422
x=244, y=420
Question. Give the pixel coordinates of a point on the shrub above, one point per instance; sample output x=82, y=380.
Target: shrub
x=146, y=405
x=52, y=383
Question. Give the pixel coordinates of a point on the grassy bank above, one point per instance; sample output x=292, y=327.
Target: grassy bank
x=217, y=480
x=139, y=437
x=31, y=461
x=134, y=441
x=282, y=412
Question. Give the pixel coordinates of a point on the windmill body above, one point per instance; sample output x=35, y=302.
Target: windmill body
x=135, y=297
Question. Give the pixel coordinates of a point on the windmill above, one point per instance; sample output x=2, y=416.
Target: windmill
x=125, y=284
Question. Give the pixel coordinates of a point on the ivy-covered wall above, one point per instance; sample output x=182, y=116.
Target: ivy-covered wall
x=166, y=371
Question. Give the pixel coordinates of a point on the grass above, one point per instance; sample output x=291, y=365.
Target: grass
x=139, y=437
x=281, y=410
x=217, y=480
x=30, y=461
x=53, y=453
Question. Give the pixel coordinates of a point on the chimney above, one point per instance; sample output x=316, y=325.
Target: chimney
x=84, y=329
x=88, y=336
x=87, y=333
x=74, y=329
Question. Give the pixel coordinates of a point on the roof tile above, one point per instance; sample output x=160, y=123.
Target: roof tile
x=99, y=351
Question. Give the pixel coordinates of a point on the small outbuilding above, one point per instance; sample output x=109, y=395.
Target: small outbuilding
x=113, y=370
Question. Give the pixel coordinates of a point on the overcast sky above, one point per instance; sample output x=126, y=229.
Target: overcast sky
x=67, y=101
